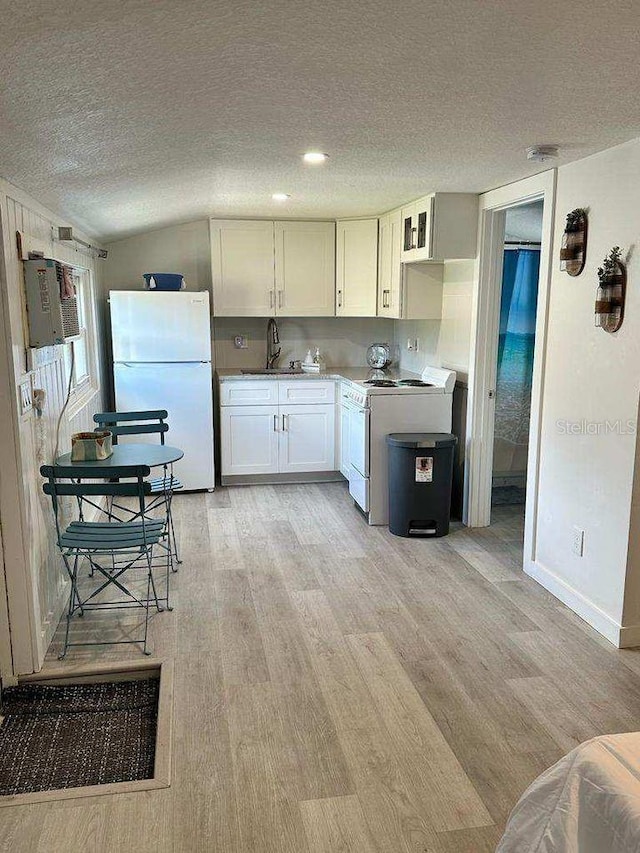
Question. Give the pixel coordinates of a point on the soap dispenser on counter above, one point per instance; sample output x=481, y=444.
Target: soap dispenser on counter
x=314, y=364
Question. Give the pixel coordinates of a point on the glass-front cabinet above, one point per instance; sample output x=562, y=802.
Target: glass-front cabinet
x=417, y=219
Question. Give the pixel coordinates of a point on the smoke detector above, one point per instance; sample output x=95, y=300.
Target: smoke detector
x=540, y=153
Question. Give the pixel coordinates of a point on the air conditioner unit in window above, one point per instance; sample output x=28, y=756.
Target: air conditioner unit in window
x=52, y=304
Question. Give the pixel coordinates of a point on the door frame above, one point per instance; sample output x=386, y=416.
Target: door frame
x=6, y=657
x=485, y=318
x=18, y=643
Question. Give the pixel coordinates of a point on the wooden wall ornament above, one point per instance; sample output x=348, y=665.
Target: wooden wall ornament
x=573, y=252
x=612, y=286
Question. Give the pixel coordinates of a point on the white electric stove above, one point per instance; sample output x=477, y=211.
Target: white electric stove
x=373, y=408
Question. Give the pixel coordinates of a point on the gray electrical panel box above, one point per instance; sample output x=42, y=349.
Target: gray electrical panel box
x=52, y=306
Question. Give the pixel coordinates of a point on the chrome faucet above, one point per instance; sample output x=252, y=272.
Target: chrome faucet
x=273, y=339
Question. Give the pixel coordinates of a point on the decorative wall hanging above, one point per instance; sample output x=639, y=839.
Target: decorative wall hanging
x=573, y=253
x=612, y=285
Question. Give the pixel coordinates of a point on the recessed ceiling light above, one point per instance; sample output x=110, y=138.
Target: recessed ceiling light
x=315, y=157
x=281, y=196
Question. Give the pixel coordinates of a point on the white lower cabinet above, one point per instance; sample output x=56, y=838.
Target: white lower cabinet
x=250, y=439
x=280, y=439
x=307, y=440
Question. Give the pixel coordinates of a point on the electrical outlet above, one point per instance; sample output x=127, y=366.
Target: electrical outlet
x=412, y=344
x=240, y=342
x=577, y=542
x=25, y=396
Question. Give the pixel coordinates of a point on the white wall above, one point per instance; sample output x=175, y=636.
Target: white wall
x=591, y=378
x=180, y=248
x=444, y=342
x=36, y=585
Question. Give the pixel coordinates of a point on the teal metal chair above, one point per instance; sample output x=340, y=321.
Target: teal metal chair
x=151, y=422
x=113, y=549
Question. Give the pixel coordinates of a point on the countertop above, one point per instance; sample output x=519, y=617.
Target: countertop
x=349, y=374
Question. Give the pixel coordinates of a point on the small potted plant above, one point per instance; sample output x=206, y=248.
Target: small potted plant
x=574, y=235
x=610, y=296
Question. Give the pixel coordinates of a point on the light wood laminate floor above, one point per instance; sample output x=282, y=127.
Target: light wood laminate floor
x=340, y=689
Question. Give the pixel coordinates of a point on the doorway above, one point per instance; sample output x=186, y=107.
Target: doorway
x=516, y=349
x=483, y=376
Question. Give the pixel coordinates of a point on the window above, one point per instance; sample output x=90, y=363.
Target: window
x=83, y=348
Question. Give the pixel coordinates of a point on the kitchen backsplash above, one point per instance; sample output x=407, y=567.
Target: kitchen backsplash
x=445, y=342
x=343, y=341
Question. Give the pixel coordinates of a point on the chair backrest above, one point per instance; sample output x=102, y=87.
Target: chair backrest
x=58, y=485
x=133, y=423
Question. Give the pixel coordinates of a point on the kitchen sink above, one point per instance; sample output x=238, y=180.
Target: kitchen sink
x=272, y=371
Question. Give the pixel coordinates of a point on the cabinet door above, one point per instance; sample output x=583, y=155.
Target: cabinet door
x=307, y=440
x=409, y=229
x=357, y=268
x=345, y=465
x=389, y=265
x=249, y=439
x=305, y=269
x=242, y=261
x=423, y=222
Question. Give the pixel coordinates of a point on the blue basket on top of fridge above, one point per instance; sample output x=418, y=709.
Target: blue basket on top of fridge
x=164, y=281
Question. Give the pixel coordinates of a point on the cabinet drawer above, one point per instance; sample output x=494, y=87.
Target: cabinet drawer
x=249, y=393
x=306, y=391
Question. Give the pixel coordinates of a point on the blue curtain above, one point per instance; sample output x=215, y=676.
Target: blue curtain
x=516, y=343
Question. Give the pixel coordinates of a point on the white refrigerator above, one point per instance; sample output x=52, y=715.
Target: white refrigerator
x=162, y=360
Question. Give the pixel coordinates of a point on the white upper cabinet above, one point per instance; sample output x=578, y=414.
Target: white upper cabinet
x=389, y=266
x=263, y=269
x=356, y=267
x=305, y=269
x=417, y=244
x=440, y=226
x=242, y=268
x=405, y=291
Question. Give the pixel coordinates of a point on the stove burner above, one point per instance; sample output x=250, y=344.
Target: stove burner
x=380, y=383
x=414, y=383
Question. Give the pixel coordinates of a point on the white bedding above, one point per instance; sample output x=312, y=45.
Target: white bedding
x=589, y=802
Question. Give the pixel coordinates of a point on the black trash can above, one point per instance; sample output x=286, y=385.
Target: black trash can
x=420, y=477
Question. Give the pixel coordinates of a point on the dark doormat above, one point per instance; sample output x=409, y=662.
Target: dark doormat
x=73, y=735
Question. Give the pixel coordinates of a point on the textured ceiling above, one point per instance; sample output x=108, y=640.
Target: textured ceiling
x=131, y=115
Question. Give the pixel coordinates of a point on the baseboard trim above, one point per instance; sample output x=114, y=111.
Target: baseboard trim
x=629, y=637
x=275, y=479
x=599, y=620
